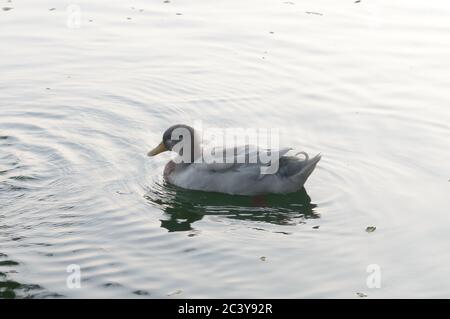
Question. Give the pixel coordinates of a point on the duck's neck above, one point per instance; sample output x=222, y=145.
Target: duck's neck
x=195, y=151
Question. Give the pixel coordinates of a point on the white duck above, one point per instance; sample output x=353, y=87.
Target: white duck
x=235, y=178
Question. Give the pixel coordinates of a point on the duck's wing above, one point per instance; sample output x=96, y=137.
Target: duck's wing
x=242, y=158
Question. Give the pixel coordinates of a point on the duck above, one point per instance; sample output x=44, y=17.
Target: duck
x=190, y=170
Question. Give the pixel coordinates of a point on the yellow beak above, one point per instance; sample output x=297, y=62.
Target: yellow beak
x=158, y=149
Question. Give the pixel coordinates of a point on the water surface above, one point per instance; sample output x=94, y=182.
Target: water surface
x=366, y=84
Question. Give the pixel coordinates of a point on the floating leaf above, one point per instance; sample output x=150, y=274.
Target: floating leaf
x=141, y=292
x=370, y=229
x=314, y=13
x=176, y=292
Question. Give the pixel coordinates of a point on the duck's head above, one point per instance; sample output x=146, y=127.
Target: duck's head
x=177, y=138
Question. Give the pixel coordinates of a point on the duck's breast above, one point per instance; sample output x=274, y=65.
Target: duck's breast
x=169, y=169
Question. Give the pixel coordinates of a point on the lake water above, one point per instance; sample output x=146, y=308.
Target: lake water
x=88, y=87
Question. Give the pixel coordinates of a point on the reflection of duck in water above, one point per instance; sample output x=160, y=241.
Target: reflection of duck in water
x=233, y=176
x=184, y=207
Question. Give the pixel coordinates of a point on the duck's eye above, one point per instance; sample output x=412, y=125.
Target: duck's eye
x=170, y=143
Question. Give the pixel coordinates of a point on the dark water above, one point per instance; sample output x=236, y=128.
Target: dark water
x=366, y=84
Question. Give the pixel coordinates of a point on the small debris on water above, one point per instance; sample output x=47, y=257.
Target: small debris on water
x=176, y=292
x=361, y=294
x=7, y=8
x=193, y=233
x=124, y=193
x=179, y=14
x=357, y=1
x=315, y=13
x=263, y=258
x=52, y=9
x=316, y=227
x=370, y=229
x=112, y=285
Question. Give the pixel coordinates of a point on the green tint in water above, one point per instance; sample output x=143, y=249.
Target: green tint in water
x=81, y=103
x=184, y=207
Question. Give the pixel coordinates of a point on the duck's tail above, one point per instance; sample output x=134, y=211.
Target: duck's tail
x=308, y=167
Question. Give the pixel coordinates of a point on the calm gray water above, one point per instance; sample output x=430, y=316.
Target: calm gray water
x=366, y=84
